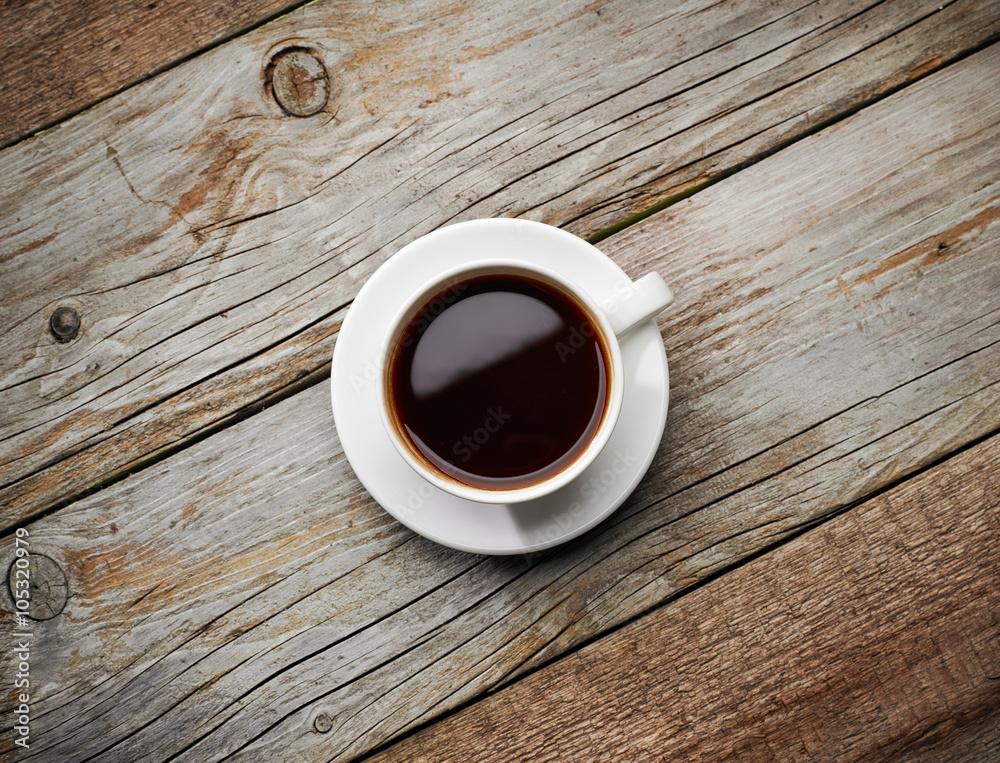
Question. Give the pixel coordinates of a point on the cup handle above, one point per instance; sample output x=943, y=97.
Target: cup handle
x=636, y=302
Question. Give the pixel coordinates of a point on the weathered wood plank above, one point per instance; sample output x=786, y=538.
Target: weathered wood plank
x=876, y=637
x=59, y=58
x=246, y=592
x=209, y=241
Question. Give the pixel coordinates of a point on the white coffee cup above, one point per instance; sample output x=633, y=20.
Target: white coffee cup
x=632, y=303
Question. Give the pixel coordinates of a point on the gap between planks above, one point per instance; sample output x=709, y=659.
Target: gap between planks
x=309, y=377
x=439, y=726
x=59, y=66
x=798, y=653
x=511, y=170
x=276, y=493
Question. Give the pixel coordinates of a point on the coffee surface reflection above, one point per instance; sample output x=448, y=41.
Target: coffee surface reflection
x=499, y=381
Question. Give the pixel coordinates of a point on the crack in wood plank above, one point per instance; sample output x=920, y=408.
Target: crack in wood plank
x=276, y=493
x=786, y=609
x=84, y=443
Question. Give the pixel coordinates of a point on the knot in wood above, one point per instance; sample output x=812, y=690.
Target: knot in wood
x=323, y=723
x=47, y=587
x=64, y=324
x=299, y=82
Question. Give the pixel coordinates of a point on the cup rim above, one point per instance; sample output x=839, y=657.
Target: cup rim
x=433, y=474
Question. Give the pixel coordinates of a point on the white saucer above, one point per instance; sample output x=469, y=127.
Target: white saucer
x=456, y=522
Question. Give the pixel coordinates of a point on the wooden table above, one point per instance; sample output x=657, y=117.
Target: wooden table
x=809, y=570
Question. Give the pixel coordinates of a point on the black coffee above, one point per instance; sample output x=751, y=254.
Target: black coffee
x=499, y=381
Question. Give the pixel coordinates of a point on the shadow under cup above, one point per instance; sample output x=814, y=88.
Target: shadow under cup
x=500, y=379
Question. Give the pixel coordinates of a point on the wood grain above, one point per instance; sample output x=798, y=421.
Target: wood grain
x=210, y=242
x=875, y=637
x=246, y=598
x=61, y=57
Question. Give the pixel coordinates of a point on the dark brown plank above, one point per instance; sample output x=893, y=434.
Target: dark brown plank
x=60, y=57
x=875, y=637
x=246, y=592
x=209, y=242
